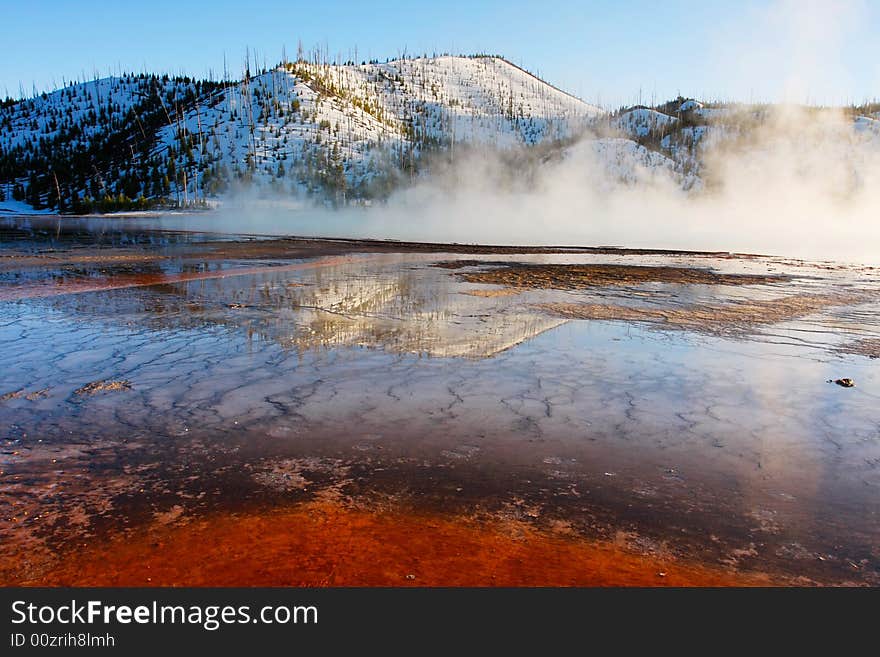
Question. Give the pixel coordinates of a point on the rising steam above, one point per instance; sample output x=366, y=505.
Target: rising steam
x=784, y=179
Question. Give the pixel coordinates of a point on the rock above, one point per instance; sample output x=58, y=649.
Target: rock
x=103, y=386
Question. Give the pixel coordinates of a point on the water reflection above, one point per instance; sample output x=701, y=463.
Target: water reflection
x=383, y=303
x=250, y=377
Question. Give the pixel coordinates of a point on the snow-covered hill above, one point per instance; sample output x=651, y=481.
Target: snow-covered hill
x=344, y=131
x=693, y=137
x=335, y=133
x=643, y=121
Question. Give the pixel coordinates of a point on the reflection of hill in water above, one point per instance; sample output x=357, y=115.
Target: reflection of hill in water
x=395, y=306
x=417, y=335
x=412, y=312
x=400, y=303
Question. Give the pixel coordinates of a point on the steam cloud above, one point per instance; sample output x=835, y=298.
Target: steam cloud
x=803, y=183
x=800, y=181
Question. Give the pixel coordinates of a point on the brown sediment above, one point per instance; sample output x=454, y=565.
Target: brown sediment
x=50, y=288
x=458, y=264
x=732, y=315
x=869, y=347
x=326, y=543
x=19, y=260
x=103, y=386
x=245, y=249
x=249, y=247
x=498, y=292
x=572, y=277
x=349, y=245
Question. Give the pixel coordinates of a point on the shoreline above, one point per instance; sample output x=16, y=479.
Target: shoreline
x=403, y=245
x=152, y=223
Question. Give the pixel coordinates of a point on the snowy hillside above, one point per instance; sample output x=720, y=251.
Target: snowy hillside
x=341, y=133
x=94, y=138
x=642, y=121
x=624, y=161
x=687, y=133
x=338, y=131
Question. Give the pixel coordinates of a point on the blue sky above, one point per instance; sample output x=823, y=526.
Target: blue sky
x=608, y=52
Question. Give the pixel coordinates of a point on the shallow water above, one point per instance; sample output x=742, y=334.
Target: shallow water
x=378, y=376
